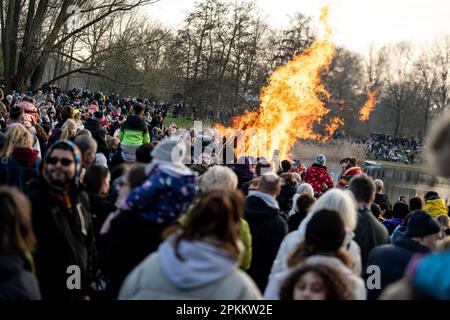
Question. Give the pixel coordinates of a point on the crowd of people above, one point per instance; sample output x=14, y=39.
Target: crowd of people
x=383, y=147
x=99, y=203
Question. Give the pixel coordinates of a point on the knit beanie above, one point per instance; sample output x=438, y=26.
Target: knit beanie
x=320, y=160
x=325, y=231
x=421, y=224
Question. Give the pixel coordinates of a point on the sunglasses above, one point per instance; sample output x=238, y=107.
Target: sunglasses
x=64, y=161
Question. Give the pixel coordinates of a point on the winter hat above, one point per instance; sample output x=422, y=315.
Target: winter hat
x=431, y=195
x=171, y=149
x=325, y=231
x=320, y=160
x=421, y=224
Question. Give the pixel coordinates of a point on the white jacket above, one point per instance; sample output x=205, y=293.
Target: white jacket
x=293, y=239
x=355, y=283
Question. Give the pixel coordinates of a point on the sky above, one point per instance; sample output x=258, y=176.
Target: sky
x=356, y=23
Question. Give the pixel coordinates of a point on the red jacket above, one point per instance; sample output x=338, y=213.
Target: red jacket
x=318, y=177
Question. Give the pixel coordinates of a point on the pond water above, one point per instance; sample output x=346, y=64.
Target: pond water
x=409, y=183
x=402, y=181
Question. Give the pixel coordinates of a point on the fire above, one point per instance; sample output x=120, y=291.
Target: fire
x=291, y=105
x=369, y=106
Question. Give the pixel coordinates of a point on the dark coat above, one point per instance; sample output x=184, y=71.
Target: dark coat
x=381, y=198
x=393, y=260
x=65, y=237
x=285, y=198
x=16, y=283
x=130, y=239
x=99, y=134
x=18, y=174
x=268, y=230
x=369, y=233
x=100, y=209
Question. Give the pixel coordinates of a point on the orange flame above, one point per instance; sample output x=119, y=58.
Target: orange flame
x=369, y=106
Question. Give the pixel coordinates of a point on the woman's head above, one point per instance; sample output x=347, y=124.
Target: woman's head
x=315, y=282
x=325, y=235
x=305, y=188
x=219, y=178
x=341, y=201
x=69, y=130
x=304, y=202
x=217, y=215
x=17, y=136
x=16, y=233
x=97, y=180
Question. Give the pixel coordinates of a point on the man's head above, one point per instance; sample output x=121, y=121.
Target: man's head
x=270, y=184
x=363, y=189
x=139, y=110
x=88, y=149
x=400, y=210
x=422, y=228
x=379, y=185
x=62, y=165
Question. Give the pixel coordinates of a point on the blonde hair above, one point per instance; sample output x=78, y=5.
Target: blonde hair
x=17, y=136
x=219, y=178
x=341, y=201
x=69, y=129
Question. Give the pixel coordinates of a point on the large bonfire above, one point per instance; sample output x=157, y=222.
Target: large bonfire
x=292, y=104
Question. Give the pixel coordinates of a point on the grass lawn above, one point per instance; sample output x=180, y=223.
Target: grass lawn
x=186, y=123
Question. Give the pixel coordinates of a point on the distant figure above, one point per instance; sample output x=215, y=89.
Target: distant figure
x=318, y=177
x=399, y=213
x=380, y=196
x=349, y=170
x=434, y=205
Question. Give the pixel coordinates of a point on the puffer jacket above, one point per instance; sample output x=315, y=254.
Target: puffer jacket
x=318, y=177
x=207, y=272
x=435, y=207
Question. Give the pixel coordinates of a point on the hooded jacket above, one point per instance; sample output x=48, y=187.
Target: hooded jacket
x=206, y=273
x=65, y=236
x=435, y=207
x=294, y=238
x=268, y=229
x=20, y=169
x=355, y=283
x=318, y=177
x=134, y=132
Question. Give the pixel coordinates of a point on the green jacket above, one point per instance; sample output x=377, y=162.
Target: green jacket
x=134, y=132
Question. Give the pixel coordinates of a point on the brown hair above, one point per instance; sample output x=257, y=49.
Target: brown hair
x=304, y=202
x=16, y=232
x=334, y=282
x=288, y=177
x=303, y=251
x=217, y=215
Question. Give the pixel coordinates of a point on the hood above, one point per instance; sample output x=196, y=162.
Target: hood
x=174, y=169
x=435, y=207
x=331, y=262
x=269, y=200
x=318, y=167
x=203, y=263
x=26, y=156
x=407, y=243
x=257, y=210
